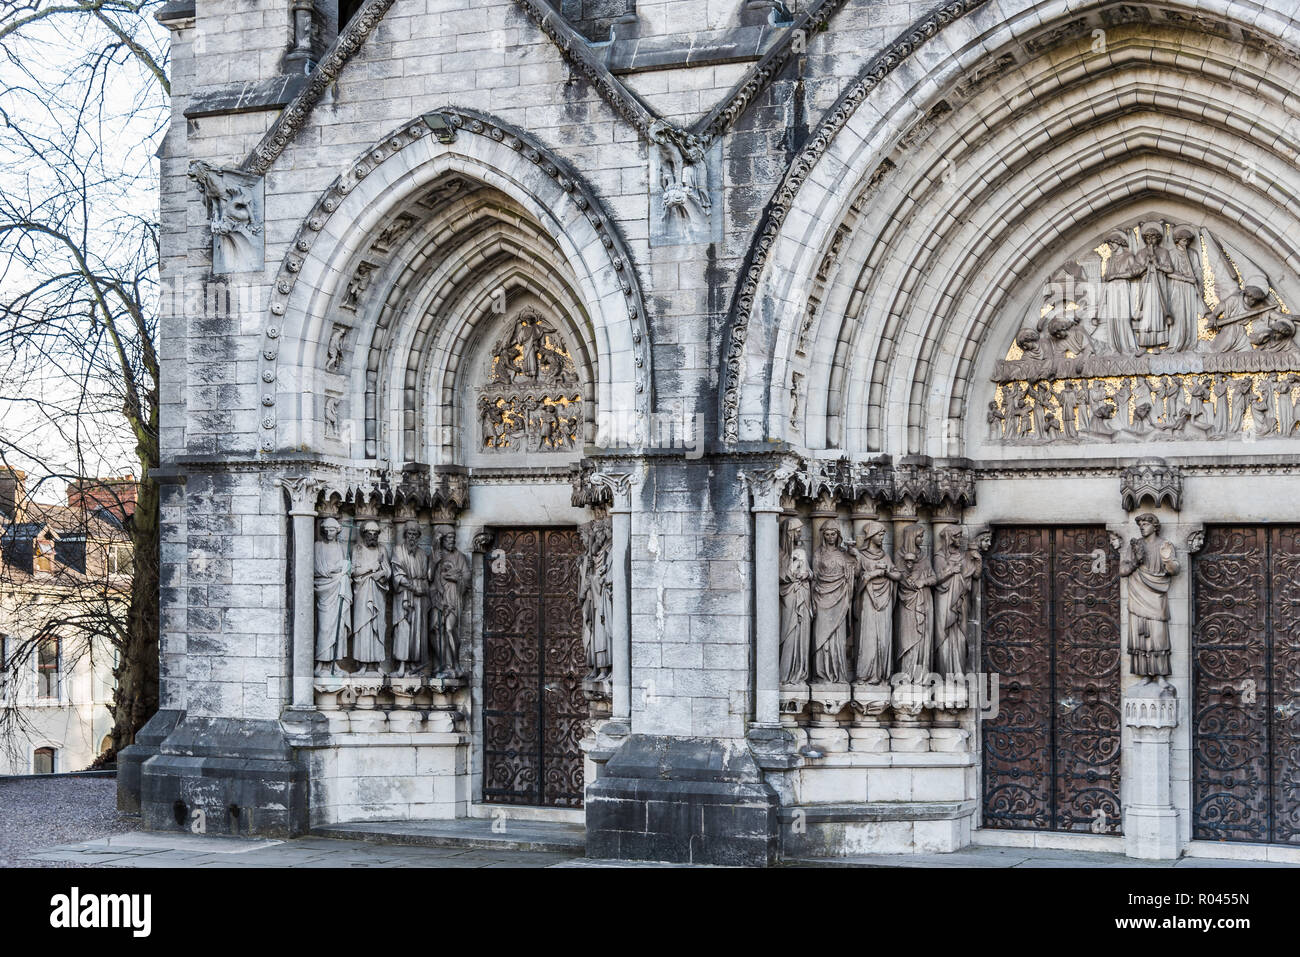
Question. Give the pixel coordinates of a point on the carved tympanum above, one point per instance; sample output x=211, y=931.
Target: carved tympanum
x=1162, y=331
x=533, y=400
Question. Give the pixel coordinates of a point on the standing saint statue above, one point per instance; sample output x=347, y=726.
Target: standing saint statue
x=1117, y=305
x=451, y=575
x=796, y=605
x=596, y=592
x=956, y=568
x=1185, y=297
x=333, y=585
x=371, y=580
x=1149, y=566
x=1153, y=318
x=411, y=605
x=915, y=619
x=877, y=578
x=833, y=572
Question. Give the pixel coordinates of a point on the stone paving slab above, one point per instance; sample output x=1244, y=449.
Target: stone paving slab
x=1002, y=857
x=467, y=832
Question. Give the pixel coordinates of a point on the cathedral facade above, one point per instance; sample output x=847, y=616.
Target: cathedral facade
x=751, y=430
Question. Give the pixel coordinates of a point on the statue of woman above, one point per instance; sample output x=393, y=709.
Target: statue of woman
x=371, y=580
x=333, y=584
x=833, y=572
x=411, y=607
x=1153, y=317
x=955, y=570
x=796, y=605
x=875, y=606
x=915, y=619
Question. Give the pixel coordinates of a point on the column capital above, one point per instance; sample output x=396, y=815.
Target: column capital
x=302, y=494
x=767, y=486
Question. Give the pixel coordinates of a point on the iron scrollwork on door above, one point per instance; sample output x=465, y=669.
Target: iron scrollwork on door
x=1051, y=755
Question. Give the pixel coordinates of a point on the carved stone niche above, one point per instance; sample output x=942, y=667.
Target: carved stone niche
x=685, y=194
x=234, y=202
x=1154, y=480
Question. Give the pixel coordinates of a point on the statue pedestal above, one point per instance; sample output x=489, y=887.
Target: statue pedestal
x=870, y=732
x=1150, y=821
x=909, y=733
x=793, y=704
x=826, y=733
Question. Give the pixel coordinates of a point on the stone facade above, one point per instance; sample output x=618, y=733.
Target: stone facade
x=683, y=274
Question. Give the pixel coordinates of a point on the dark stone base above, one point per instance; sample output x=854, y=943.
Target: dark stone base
x=225, y=776
x=685, y=800
x=132, y=758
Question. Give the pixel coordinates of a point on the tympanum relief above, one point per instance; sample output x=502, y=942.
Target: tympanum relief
x=533, y=399
x=1162, y=332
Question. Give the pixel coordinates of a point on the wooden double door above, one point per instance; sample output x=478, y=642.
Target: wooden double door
x=534, y=712
x=1051, y=633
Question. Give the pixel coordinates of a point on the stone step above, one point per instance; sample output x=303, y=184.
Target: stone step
x=475, y=833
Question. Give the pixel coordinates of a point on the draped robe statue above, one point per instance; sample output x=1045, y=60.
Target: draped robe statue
x=451, y=575
x=1117, y=305
x=411, y=605
x=1185, y=298
x=877, y=579
x=371, y=580
x=333, y=586
x=1149, y=567
x=596, y=590
x=1153, y=317
x=833, y=573
x=796, y=605
x=915, y=618
x=956, y=568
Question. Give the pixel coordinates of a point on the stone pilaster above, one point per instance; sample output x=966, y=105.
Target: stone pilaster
x=1150, y=821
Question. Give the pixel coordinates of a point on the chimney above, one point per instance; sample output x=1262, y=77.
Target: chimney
x=114, y=495
x=12, y=483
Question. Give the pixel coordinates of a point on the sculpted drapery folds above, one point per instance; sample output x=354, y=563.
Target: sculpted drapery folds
x=596, y=594
x=371, y=582
x=411, y=601
x=1149, y=566
x=834, y=569
x=875, y=606
x=915, y=618
x=796, y=604
x=956, y=569
x=333, y=587
x=451, y=577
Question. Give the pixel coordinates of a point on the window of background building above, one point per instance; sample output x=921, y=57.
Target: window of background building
x=43, y=761
x=47, y=668
x=347, y=10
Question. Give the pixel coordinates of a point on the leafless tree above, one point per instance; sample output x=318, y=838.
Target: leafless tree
x=83, y=106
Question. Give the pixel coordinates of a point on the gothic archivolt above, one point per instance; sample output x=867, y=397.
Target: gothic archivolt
x=1163, y=331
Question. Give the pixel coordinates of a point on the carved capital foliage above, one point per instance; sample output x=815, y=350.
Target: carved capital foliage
x=445, y=491
x=914, y=482
x=1151, y=479
x=303, y=491
x=767, y=486
x=593, y=488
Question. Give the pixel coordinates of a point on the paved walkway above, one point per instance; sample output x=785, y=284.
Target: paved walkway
x=141, y=849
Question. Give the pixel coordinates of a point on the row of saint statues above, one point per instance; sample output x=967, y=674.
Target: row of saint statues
x=1149, y=293
x=357, y=584
x=855, y=614
x=596, y=596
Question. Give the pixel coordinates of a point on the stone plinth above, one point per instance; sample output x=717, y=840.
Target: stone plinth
x=827, y=702
x=869, y=731
x=1150, y=821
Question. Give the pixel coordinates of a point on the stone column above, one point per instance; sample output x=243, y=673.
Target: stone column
x=620, y=511
x=765, y=487
x=302, y=511
x=1150, y=821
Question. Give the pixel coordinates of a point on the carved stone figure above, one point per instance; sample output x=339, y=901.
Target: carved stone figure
x=596, y=591
x=334, y=350
x=915, y=618
x=1153, y=317
x=685, y=203
x=1149, y=566
x=833, y=573
x=371, y=580
x=451, y=576
x=877, y=578
x=333, y=587
x=332, y=417
x=1230, y=317
x=234, y=205
x=1118, y=303
x=997, y=420
x=956, y=568
x=796, y=604
x=1185, y=296
x=411, y=601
